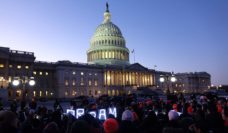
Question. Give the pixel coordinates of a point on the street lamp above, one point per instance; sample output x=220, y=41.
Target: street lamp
x=23, y=81
x=167, y=79
x=173, y=79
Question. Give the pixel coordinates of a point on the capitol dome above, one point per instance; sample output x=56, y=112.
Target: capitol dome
x=108, y=29
x=107, y=45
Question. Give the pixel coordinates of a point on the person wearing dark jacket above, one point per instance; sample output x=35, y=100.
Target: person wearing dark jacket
x=8, y=122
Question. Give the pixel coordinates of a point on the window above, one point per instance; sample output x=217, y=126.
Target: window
x=90, y=74
x=95, y=83
x=41, y=73
x=46, y=73
x=18, y=93
x=10, y=79
x=73, y=82
x=34, y=72
x=66, y=93
x=95, y=74
x=40, y=93
x=66, y=82
x=34, y=93
x=90, y=82
x=82, y=73
x=46, y=93
x=10, y=66
x=26, y=67
x=113, y=92
x=73, y=93
x=117, y=92
x=82, y=81
x=1, y=65
x=73, y=72
x=18, y=66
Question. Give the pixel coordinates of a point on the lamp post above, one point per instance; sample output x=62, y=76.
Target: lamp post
x=23, y=81
x=167, y=79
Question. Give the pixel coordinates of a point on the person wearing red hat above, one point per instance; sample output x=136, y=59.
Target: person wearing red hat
x=111, y=126
x=175, y=107
x=190, y=110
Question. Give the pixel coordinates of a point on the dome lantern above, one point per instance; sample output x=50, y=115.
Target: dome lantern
x=107, y=14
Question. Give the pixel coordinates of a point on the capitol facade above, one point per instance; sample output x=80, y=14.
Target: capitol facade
x=107, y=71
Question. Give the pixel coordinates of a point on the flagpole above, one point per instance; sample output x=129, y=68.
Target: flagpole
x=133, y=51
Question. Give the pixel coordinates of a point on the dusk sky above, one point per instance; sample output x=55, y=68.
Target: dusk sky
x=175, y=35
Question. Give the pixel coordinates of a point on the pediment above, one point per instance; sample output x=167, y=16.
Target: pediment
x=137, y=66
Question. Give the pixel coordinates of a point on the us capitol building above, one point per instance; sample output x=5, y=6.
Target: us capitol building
x=107, y=71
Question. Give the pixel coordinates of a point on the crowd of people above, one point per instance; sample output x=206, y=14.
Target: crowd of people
x=208, y=114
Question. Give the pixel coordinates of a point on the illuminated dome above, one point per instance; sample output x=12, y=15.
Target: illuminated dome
x=108, y=29
x=107, y=45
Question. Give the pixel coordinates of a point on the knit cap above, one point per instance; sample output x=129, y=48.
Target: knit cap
x=111, y=126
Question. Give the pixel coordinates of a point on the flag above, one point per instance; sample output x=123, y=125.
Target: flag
x=133, y=51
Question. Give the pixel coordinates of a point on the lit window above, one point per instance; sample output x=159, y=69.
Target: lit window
x=90, y=82
x=66, y=93
x=46, y=93
x=113, y=92
x=73, y=72
x=73, y=93
x=90, y=74
x=18, y=93
x=66, y=82
x=34, y=72
x=73, y=82
x=10, y=79
x=82, y=73
x=10, y=66
x=52, y=93
x=26, y=67
x=82, y=81
x=40, y=93
x=95, y=74
x=34, y=93
x=41, y=73
x=1, y=65
x=95, y=83
x=117, y=92
x=46, y=73
x=18, y=66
